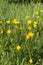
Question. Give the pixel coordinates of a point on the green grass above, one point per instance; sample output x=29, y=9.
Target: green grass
x=31, y=48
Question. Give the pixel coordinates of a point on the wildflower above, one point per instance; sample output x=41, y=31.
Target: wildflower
x=1, y=32
x=8, y=22
x=27, y=16
x=18, y=47
x=35, y=24
x=20, y=28
x=1, y=22
x=30, y=61
x=38, y=17
x=29, y=21
x=37, y=12
x=16, y=22
x=41, y=10
x=29, y=28
x=16, y=26
x=29, y=35
x=9, y=31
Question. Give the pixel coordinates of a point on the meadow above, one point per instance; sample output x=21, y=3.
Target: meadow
x=21, y=34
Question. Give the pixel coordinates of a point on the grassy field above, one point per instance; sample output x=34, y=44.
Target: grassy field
x=21, y=34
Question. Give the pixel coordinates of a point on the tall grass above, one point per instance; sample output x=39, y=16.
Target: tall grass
x=21, y=34
x=23, y=1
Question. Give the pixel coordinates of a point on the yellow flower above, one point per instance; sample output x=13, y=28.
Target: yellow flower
x=29, y=35
x=8, y=22
x=1, y=22
x=1, y=32
x=35, y=24
x=30, y=61
x=9, y=31
x=20, y=28
x=37, y=12
x=29, y=28
x=15, y=20
x=18, y=47
x=27, y=16
x=41, y=10
x=38, y=17
x=29, y=21
x=16, y=26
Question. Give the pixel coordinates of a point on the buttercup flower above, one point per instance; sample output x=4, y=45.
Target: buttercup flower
x=18, y=47
x=1, y=22
x=9, y=31
x=16, y=26
x=29, y=21
x=27, y=16
x=37, y=12
x=1, y=32
x=38, y=17
x=29, y=35
x=29, y=28
x=35, y=24
x=30, y=61
x=8, y=22
x=41, y=10
x=20, y=28
x=16, y=22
